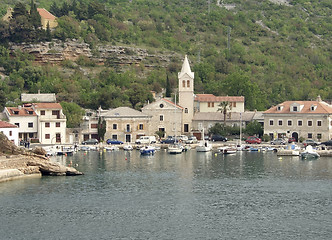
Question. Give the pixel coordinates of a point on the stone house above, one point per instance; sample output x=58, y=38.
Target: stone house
x=11, y=131
x=299, y=119
x=45, y=17
x=126, y=124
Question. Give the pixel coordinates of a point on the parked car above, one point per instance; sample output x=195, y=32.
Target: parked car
x=327, y=143
x=168, y=140
x=253, y=139
x=191, y=139
x=310, y=142
x=217, y=137
x=91, y=141
x=291, y=139
x=278, y=141
x=114, y=141
x=183, y=138
x=146, y=140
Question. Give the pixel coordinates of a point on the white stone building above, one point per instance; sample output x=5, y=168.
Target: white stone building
x=306, y=119
x=11, y=131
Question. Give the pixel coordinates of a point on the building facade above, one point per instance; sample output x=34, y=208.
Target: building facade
x=26, y=120
x=126, y=124
x=210, y=103
x=299, y=119
x=11, y=131
x=166, y=117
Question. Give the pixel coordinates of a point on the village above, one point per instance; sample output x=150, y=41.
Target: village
x=40, y=120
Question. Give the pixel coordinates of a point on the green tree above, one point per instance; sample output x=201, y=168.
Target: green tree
x=74, y=114
x=2, y=100
x=254, y=128
x=224, y=107
x=168, y=87
x=101, y=129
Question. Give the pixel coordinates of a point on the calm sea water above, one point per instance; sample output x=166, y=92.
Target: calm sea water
x=189, y=196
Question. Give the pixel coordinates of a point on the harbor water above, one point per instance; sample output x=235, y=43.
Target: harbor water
x=247, y=195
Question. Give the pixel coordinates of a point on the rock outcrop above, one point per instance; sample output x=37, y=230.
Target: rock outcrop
x=57, y=51
x=15, y=162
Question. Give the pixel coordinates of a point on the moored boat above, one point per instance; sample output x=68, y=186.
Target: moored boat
x=309, y=153
x=147, y=150
x=175, y=149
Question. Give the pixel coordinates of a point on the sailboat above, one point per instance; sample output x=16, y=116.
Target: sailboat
x=204, y=145
x=175, y=148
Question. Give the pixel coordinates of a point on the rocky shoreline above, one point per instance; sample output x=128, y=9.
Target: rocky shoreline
x=17, y=163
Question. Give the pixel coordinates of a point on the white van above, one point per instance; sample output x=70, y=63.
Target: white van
x=146, y=140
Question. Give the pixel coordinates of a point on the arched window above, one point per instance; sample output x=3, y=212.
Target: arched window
x=183, y=83
x=186, y=110
x=188, y=83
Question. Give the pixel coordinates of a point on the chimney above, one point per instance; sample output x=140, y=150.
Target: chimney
x=38, y=91
x=319, y=99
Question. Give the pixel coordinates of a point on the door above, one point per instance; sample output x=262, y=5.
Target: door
x=128, y=138
x=296, y=136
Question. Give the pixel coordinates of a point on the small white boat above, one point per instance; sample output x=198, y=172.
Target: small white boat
x=204, y=146
x=227, y=150
x=128, y=147
x=175, y=149
x=147, y=150
x=111, y=148
x=309, y=153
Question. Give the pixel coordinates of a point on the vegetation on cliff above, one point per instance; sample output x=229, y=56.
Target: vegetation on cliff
x=266, y=52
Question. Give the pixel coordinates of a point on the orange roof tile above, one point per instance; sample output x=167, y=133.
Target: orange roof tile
x=7, y=125
x=45, y=14
x=322, y=108
x=212, y=98
x=21, y=111
x=166, y=100
x=47, y=105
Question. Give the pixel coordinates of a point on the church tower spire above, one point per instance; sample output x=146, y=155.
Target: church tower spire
x=186, y=94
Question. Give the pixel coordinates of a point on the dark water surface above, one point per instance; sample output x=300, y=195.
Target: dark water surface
x=189, y=196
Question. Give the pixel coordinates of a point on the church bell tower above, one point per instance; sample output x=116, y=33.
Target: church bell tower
x=186, y=95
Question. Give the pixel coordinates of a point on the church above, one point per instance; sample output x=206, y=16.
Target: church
x=191, y=112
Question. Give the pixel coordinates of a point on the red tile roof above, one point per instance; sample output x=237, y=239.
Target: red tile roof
x=47, y=105
x=322, y=108
x=45, y=14
x=212, y=98
x=166, y=100
x=7, y=125
x=21, y=111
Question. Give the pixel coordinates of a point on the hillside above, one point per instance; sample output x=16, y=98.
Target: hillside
x=267, y=51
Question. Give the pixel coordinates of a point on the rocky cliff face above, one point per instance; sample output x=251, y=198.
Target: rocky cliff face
x=56, y=51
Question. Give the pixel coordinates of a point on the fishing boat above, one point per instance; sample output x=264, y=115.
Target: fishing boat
x=309, y=153
x=147, y=150
x=227, y=150
x=175, y=149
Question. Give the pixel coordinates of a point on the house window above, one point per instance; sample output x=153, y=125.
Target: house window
x=183, y=83
x=30, y=125
x=55, y=112
x=30, y=135
x=319, y=123
x=294, y=109
x=115, y=137
x=319, y=136
x=209, y=104
x=280, y=122
x=42, y=112
x=10, y=133
x=30, y=112
x=289, y=122
x=47, y=136
x=309, y=135
x=188, y=83
x=94, y=125
x=299, y=123
x=309, y=123
x=161, y=117
x=17, y=124
x=141, y=126
x=47, y=124
x=234, y=104
x=271, y=122
x=186, y=110
x=57, y=124
x=115, y=126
